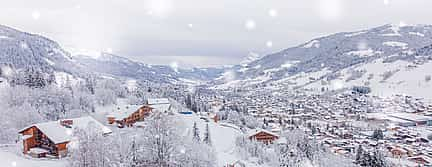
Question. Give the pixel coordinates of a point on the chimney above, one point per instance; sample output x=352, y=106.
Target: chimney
x=66, y=123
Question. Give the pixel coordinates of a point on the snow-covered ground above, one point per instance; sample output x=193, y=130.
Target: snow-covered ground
x=10, y=156
x=223, y=138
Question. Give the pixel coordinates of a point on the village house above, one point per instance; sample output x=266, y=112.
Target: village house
x=128, y=115
x=51, y=139
x=237, y=164
x=263, y=136
x=398, y=152
x=421, y=159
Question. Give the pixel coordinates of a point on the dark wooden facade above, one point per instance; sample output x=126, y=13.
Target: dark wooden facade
x=136, y=116
x=264, y=137
x=39, y=140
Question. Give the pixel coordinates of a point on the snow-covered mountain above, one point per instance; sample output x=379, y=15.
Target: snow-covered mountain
x=389, y=58
x=116, y=66
x=338, y=60
x=341, y=50
x=22, y=51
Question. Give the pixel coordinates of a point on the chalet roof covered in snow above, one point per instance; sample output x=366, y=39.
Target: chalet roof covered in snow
x=159, y=104
x=161, y=107
x=256, y=131
x=411, y=116
x=154, y=101
x=124, y=111
x=58, y=133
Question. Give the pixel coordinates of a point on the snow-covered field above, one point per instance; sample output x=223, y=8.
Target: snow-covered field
x=10, y=156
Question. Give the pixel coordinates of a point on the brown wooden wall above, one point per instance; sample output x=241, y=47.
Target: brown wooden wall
x=30, y=142
x=264, y=137
x=138, y=115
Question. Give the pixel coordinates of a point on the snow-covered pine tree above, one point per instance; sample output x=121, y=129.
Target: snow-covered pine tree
x=378, y=134
x=378, y=159
x=207, y=138
x=196, y=136
x=132, y=157
x=359, y=154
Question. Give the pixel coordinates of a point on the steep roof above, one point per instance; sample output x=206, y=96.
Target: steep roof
x=61, y=134
x=256, y=131
x=124, y=111
x=153, y=101
x=159, y=104
x=161, y=107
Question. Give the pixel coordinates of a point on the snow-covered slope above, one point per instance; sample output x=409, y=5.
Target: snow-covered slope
x=20, y=50
x=400, y=54
x=339, y=51
x=223, y=138
x=23, y=50
x=384, y=79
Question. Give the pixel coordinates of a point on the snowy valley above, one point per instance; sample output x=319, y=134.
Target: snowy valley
x=348, y=99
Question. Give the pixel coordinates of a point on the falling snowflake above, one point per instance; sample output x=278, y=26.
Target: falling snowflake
x=337, y=84
x=160, y=7
x=386, y=2
x=250, y=24
x=362, y=45
x=7, y=71
x=174, y=66
x=35, y=15
x=182, y=150
x=191, y=89
x=74, y=143
x=69, y=132
x=78, y=6
x=273, y=13
x=330, y=9
x=109, y=50
x=14, y=163
x=269, y=44
x=190, y=25
x=24, y=45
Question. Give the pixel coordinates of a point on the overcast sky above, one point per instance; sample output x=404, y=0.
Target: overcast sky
x=200, y=32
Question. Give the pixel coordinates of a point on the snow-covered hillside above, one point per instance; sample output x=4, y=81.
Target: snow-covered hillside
x=22, y=51
x=385, y=79
x=389, y=59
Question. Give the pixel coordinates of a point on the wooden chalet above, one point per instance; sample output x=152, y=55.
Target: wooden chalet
x=129, y=115
x=421, y=159
x=263, y=136
x=236, y=164
x=51, y=139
